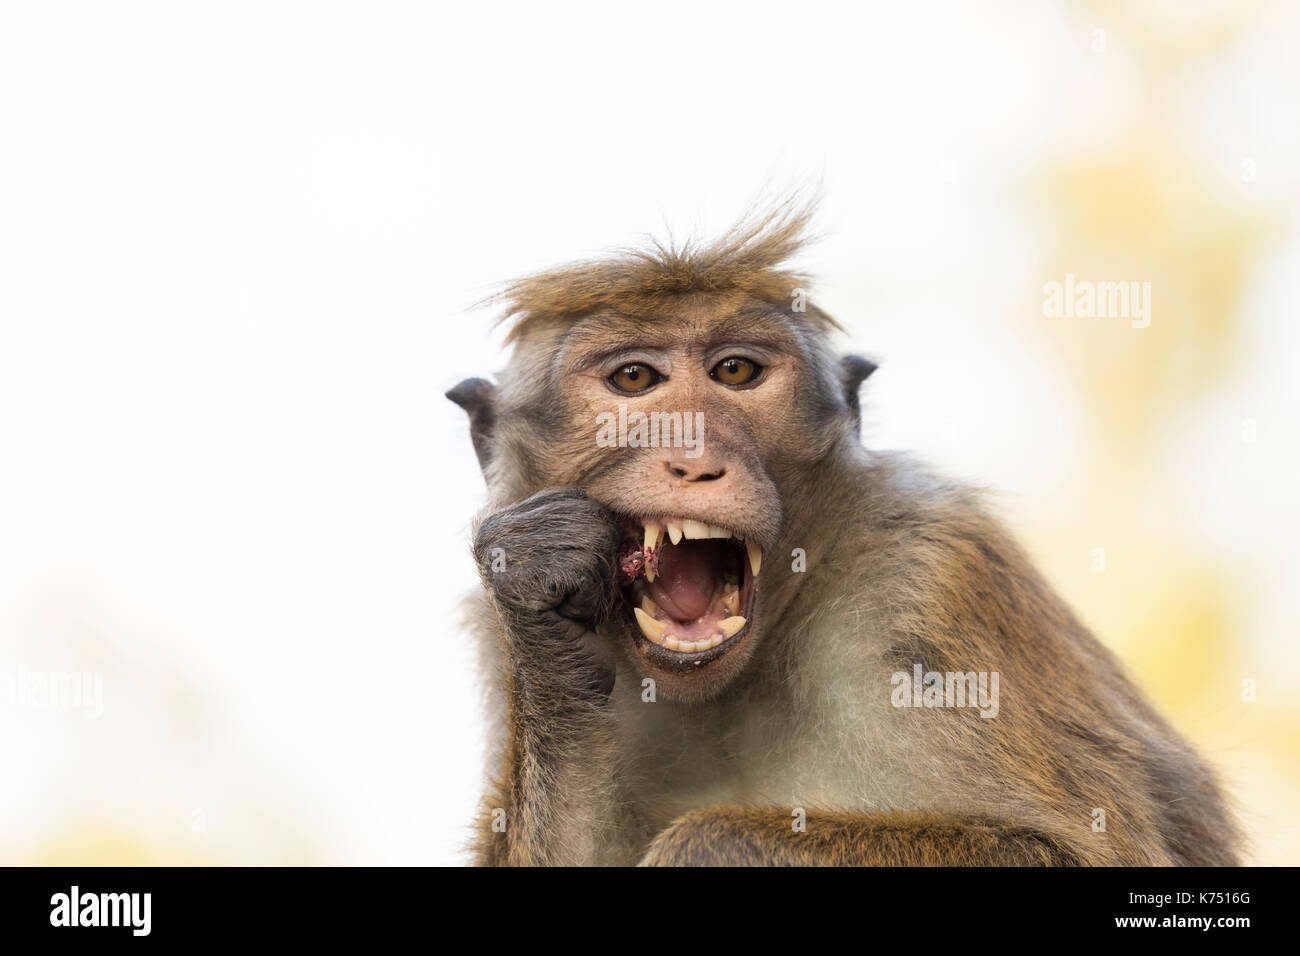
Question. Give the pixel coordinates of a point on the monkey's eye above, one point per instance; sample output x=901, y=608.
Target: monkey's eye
x=635, y=377
x=735, y=371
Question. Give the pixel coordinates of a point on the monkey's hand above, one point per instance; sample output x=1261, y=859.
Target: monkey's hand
x=549, y=563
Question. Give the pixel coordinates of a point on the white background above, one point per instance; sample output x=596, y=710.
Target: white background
x=238, y=247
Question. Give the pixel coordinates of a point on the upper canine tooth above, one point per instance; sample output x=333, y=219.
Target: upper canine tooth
x=755, y=556
x=651, y=542
x=674, y=532
x=694, y=529
x=652, y=533
x=649, y=626
x=731, y=626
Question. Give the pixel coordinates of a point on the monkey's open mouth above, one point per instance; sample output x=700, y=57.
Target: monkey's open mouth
x=688, y=585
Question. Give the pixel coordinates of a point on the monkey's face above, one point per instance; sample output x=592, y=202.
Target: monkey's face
x=698, y=430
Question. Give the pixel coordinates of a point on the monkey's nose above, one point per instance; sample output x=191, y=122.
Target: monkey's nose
x=688, y=471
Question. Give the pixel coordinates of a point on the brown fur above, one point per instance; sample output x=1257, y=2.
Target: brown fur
x=745, y=265
x=763, y=836
x=903, y=568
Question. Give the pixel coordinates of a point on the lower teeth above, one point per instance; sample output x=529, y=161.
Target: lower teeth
x=657, y=631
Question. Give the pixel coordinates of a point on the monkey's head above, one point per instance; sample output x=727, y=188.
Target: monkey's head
x=695, y=394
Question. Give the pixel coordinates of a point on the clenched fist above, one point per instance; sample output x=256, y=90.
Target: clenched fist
x=549, y=563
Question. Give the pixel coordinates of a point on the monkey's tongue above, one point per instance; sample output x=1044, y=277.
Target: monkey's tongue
x=689, y=576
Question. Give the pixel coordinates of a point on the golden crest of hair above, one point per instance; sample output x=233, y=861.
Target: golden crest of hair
x=749, y=262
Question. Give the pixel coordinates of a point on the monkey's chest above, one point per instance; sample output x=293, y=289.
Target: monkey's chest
x=678, y=762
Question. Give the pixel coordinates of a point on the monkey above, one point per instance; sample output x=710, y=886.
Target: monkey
x=755, y=650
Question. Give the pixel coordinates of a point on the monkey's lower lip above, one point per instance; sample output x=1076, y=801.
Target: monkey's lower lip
x=696, y=595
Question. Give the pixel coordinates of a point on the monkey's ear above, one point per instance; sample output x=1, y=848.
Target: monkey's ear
x=478, y=397
x=854, y=370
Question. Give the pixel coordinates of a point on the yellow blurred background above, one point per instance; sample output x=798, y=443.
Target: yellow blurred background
x=235, y=260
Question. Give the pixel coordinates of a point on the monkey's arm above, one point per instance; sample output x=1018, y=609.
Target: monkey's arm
x=769, y=836
x=548, y=566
